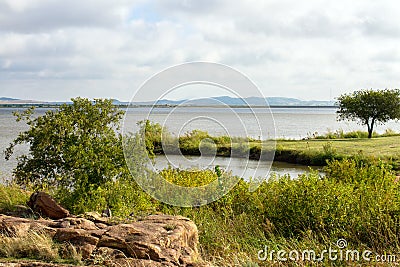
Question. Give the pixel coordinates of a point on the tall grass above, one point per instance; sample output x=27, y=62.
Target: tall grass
x=340, y=134
x=11, y=196
x=38, y=246
x=355, y=200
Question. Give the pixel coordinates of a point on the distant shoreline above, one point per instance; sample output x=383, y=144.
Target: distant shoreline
x=167, y=106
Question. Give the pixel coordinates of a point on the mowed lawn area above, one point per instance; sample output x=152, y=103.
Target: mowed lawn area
x=376, y=147
x=385, y=148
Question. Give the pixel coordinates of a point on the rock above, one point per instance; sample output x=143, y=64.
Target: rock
x=81, y=239
x=96, y=218
x=77, y=223
x=21, y=211
x=137, y=262
x=157, y=240
x=13, y=226
x=44, y=204
x=110, y=253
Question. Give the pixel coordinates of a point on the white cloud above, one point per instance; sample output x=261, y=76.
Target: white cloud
x=54, y=50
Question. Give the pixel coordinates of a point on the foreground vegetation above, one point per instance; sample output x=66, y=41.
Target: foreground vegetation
x=83, y=168
x=355, y=201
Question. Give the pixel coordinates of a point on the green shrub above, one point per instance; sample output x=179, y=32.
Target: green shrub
x=354, y=201
x=12, y=195
x=189, y=178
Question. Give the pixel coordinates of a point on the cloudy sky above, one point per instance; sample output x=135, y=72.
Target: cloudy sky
x=54, y=50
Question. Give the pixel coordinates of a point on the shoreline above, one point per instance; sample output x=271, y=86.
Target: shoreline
x=313, y=152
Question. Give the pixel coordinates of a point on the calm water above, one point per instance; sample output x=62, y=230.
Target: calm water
x=294, y=123
x=238, y=166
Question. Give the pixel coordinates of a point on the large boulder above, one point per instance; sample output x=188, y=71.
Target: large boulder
x=45, y=205
x=157, y=240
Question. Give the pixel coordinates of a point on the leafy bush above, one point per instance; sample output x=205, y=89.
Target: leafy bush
x=72, y=147
x=189, y=178
x=76, y=155
x=355, y=201
x=153, y=134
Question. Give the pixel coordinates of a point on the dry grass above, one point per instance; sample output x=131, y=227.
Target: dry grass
x=37, y=246
x=33, y=245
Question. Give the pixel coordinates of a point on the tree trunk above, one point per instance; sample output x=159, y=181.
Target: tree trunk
x=371, y=128
x=369, y=133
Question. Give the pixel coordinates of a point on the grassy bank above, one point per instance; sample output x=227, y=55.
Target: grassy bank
x=355, y=201
x=316, y=151
x=312, y=151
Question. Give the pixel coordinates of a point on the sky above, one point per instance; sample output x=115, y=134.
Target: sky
x=54, y=50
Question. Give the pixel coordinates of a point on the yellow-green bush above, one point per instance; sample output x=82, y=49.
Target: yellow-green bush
x=12, y=195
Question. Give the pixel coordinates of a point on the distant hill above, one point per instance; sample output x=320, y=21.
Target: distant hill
x=8, y=99
x=212, y=101
x=251, y=101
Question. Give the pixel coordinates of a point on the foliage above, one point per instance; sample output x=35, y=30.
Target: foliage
x=196, y=142
x=76, y=154
x=191, y=142
x=340, y=134
x=12, y=195
x=189, y=178
x=355, y=201
x=123, y=197
x=369, y=107
x=74, y=146
x=152, y=133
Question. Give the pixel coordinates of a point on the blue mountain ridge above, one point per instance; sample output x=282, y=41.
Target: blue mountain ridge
x=211, y=101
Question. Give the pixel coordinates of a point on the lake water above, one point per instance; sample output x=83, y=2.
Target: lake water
x=293, y=123
x=237, y=166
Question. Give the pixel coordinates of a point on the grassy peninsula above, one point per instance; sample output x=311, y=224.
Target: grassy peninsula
x=314, y=150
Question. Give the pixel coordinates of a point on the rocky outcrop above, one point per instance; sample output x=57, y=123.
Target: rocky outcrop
x=45, y=205
x=34, y=264
x=156, y=240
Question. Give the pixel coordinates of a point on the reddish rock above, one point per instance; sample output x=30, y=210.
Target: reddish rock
x=14, y=226
x=158, y=240
x=80, y=238
x=44, y=204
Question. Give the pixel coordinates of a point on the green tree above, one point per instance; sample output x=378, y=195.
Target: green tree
x=369, y=107
x=75, y=147
x=152, y=134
